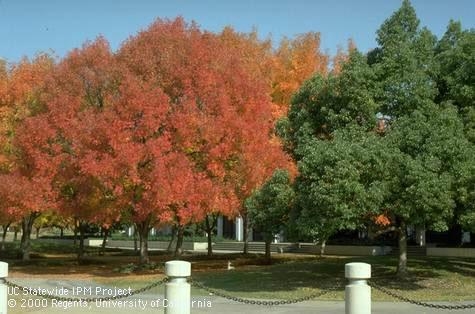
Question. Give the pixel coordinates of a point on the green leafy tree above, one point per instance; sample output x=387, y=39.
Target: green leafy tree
x=404, y=63
x=269, y=207
x=422, y=179
x=421, y=185
x=330, y=133
x=455, y=56
x=340, y=183
x=325, y=104
x=464, y=189
x=415, y=164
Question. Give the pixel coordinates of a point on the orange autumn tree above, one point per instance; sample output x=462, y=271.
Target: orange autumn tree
x=295, y=61
x=33, y=174
x=342, y=56
x=285, y=68
x=9, y=204
x=255, y=54
x=27, y=170
x=20, y=91
x=220, y=112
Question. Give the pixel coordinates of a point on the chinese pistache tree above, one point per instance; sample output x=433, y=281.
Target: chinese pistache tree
x=26, y=161
x=220, y=112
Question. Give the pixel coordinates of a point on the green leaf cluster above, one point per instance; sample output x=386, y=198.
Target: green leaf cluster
x=268, y=208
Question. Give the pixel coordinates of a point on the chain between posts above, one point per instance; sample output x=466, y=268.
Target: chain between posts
x=117, y=297
x=199, y=285
x=268, y=302
x=194, y=283
x=420, y=303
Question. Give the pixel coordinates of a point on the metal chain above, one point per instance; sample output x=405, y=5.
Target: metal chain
x=117, y=297
x=265, y=303
x=425, y=304
x=248, y=301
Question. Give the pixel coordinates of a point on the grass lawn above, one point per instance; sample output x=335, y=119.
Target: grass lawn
x=431, y=279
x=290, y=276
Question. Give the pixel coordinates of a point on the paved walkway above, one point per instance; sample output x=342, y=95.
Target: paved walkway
x=149, y=303
x=215, y=306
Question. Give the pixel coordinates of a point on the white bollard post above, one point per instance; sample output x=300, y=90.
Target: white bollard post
x=3, y=288
x=177, y=289
x=357, y=292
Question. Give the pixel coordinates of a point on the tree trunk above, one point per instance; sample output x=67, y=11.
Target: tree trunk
x=179, y=240
x=61, y=234
x=27, y=226
x=15, y=235
x=143, y=230
x=210, y=225
x=38, y=232
x=322, y=247
x=104, y=241
x=141, y=240
x=4, y=235
x=172, y=243
x=454, y=236
x=268, y=241
x=75, y=231
x=245, y=227
x=136, y=247
x=81, y=228
x=402, y=242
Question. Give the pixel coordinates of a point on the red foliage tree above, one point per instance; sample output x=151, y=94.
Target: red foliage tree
x=108, y=125
x=221, y=111
x=35, y=168
x=9, y=201
x=24, y=164
x=176, y=126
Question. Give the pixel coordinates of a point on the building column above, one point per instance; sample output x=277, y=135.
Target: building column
x=219, y=227
x=421, y=236
x=279, y=237
x=130, y=231
x=466, y=237
x=239, y=233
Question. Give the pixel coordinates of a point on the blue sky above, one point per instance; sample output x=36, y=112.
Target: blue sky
x=31, y=26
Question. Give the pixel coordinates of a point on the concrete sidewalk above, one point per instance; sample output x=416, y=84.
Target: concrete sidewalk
x=313, y=307
x=219, y=306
